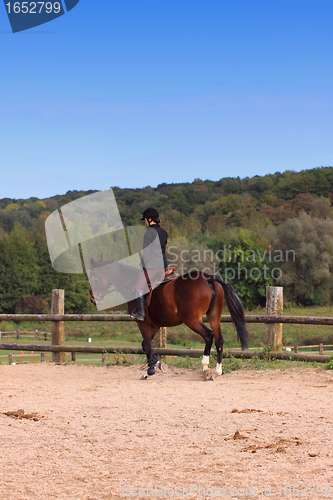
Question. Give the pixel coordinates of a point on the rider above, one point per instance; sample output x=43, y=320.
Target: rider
x=151, y=255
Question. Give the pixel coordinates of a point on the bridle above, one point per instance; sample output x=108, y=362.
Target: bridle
x=95, y=297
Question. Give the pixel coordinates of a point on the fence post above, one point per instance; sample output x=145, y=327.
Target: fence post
x=10, y=358
x=274, y=307
x=42, y=356
x=321, y=348
x=58, y=327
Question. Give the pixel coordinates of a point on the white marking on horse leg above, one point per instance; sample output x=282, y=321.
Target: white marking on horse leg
x=218, y=369
x=205, y=363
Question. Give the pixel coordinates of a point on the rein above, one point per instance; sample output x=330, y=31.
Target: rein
x=110, y=291
x=120, y=287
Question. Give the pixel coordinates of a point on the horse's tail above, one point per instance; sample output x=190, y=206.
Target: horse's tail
x=236, y=310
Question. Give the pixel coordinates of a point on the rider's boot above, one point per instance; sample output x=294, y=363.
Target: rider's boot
x=140, y=315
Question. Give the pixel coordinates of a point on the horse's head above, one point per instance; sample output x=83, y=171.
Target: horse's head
x=102, y=275
x=99, y=283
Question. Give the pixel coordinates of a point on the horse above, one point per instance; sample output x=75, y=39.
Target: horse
x=184, y=299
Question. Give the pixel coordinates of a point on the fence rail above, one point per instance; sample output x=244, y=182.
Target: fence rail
x=192, y=353
x=303, y=320
x=24, y=333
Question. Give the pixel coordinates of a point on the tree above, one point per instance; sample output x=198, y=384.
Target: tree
x=76, y=286
x=12, y=206
x=33, y=305
x=245, y=263
x=22, y=247
x=306, y=245
x=321, y=208
x=9, y=275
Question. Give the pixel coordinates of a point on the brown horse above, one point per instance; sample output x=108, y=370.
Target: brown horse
x=182, y=300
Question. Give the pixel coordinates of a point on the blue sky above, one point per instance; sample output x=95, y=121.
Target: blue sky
x=133, y=93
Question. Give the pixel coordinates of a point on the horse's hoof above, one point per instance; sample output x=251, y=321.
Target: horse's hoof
x=151, y=371
x=207, y=374
x=213, y=376
x=162, y=366
x=144, y=376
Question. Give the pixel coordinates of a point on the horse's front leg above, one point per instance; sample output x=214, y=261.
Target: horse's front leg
x=148, y=334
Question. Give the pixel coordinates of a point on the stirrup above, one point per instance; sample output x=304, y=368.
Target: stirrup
x=137, y=316
x=134, y=312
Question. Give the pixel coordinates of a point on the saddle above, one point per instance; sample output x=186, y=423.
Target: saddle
x=170, y=274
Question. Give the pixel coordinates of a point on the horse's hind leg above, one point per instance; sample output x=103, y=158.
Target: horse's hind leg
x=208, y=336
x=216, y=327
x=214, y=317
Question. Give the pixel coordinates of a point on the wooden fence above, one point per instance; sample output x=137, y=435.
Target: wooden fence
x=193, y=353
x=24, y=333
x=273, y=321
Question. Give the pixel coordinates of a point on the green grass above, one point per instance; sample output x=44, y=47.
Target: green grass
x=295, y=334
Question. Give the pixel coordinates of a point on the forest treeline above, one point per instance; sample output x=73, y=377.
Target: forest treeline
x=258, y=231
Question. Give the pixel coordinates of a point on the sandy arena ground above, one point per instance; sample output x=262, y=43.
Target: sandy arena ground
x=97, y=433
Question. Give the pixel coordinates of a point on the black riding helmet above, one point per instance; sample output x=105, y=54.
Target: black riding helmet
x=151, y=213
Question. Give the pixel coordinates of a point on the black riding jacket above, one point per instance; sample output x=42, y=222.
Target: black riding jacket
x=152, y=258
